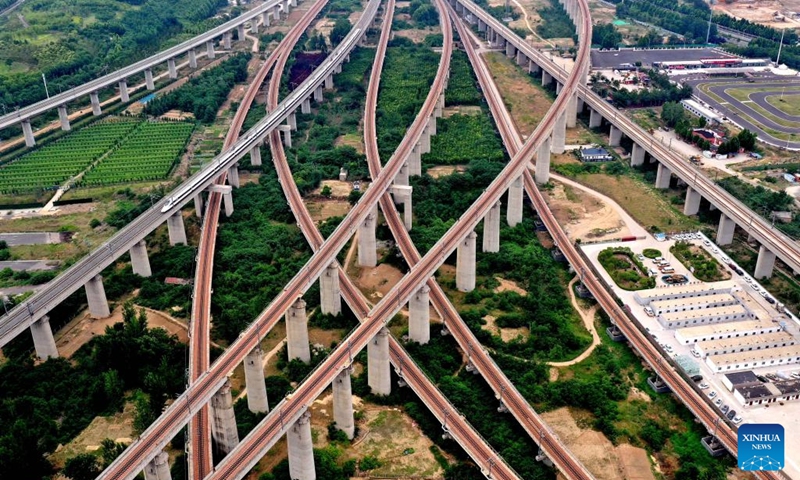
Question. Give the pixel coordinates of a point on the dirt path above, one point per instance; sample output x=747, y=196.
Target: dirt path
x=528, y=24
x=588, y=321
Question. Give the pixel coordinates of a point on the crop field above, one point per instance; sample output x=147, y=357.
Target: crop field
x=49, y=166
x=149, y=153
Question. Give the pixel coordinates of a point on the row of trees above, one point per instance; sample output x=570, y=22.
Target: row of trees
x=660, y=91
x=687, y=18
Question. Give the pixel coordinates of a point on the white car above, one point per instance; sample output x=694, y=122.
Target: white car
x=712, y=394
x=649, y=311
x=726, y=260
x=763, y=293
x=706, y=243
x=640, y=257
x=737, y=420
x=703, y=386
x=748, y=279
x=718, y=402
x=714, y=250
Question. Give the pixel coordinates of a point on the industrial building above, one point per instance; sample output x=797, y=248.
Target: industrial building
x=764, y=393
x=705, y=316
x=688, y=304
x=702, y=333
x=689, y=290
x=701, y=111
x=771, y=357
x=744, y=344
x=597, y=154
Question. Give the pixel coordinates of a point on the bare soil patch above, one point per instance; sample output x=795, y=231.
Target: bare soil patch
x=117, y=427
x=417, y=35
x=376, y=282
x=509, y=286
x=761, y=11
x=505, y=334
x=600, y=456
x=584, y=216
x=526, y=102
x=338, y=188
x=322, y=209
x=444, y=170
x=351, y=140
x=461, y=110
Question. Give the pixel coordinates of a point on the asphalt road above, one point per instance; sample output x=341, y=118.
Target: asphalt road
x=732, y=107
x=30, y=238
x=29, y=265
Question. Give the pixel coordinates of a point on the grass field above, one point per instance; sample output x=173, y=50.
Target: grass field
x=790, y=104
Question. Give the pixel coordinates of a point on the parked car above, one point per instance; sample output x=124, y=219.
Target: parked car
x=737, y=420
x=731, y=414
x=703, y=386
x=697, y=378
x=725, y=409
x=718, y=402
x=770, y=300
x=640, y=257
x=649, y=311
x=712, y=394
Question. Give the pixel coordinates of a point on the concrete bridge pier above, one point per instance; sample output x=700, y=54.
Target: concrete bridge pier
x=43, y=341
x=514, y=211
x=663, y=175
x=510, y=50
x=425, y=141
x=305, y=107
x=559, y=86
x=465, y=264
x=287, y=135
x=226, y=40
x=198, y=205
x=123, y=90
x=330, y=294
x=614, y=136
x=337, y=69
x=297, y=331
x=481, y=25
x=192, y=59
x=595, y=118
x=63, y=116
x=223, y=419
x=240, y=32
x=491, y=229
x=301, y=449
x=95, y=99
x=547, y=79
x=559, y=134
x=419, y=316
x=255, y=156
x=431, y=126
x=572, y=111
x=692, y=204
x=96, y=297
x=318, y=94
x=276, y=13
x=291, y=120
x=148, y=79
x=402, y=194
x=343, y=403
x=725, y=230
x=637, y=155
x=177, y=232
x=173, y=70
x=402, y=175
x=533, y=67
x=521, y=58
x=254, y=380
x=367, y=249
x=765, y=263
x=233, y=176
x=265, y=19
x=437, y=111
x=580, y=103
x=227, y=201
x=378, y=368
x=329, y=82
x=210, y=50
x=27, y=131
x=139, y=260
x=542, y=172
x=158, y=468
x=414, y=162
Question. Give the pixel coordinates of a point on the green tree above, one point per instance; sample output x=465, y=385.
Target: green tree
x=672, y=113
x=340, y=30
x=81, y=467
x=326, y=191
x=426, y=15
x=747, y=139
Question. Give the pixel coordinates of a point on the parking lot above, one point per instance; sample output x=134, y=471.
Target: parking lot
x=753, y=297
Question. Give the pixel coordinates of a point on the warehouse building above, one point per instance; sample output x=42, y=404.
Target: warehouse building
x=689, y=290
x=719, y=331
x=771, y=357
x=705, y=316
x=689, y=304
x=744, y=344
x=765, y=393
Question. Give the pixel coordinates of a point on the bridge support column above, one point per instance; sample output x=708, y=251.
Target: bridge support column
x=437, y=111
x=614, y=136
x=305, y=107
x=402, y=194
x=572, y=111
x=331, y=299
x=177, y=233
x=223, y=424
x=547, y=79
x=465, y=264
x=663, y=175
x=198, y=205
x=123, y=91
x=226, y=40
x=43, y=341
x=414, y=162
x=158, y=468
x=318, y=94
x=233, y=176
x=276, y=13
x=343, y=403
x=254, y=380
x=559, y=134
x=173, y=70
x=378, y=368
x=595, y=118
x=27, y=131
x=148, y=79
x=580, y=103
x=96, y=297
x=765, y=263
x=431, y=126
x=481, y=25
x=291, y=120
x=192, y=59
x=301, y=449
x=542, y=172
x=297, y=330
x=637, y=155
x=692, y=204
x=425, y=141
x=533, y=67
x=139, y=260
x=559, y=86
x=287, y=135
x=227, y=201
x=240, y=32
x=510, y=50
x=725, y=230
x=491, y=229
x=419, y=316
x=367, y=250
x=514, y=211
x=402, y=175
x=63, y=116
x=329, y=82
x=255, y=156
x=210, y=53
x=95, y=99
x=521, y=58
x=265, y=19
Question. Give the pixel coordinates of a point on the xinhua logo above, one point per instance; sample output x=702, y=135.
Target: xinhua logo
x=761, y=447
